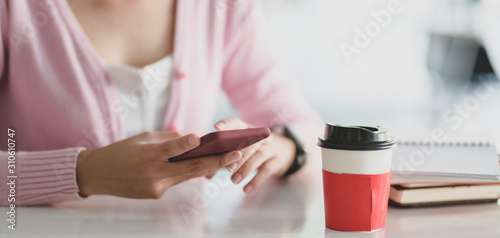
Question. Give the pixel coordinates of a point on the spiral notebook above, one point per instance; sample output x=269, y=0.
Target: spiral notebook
x=457, y=159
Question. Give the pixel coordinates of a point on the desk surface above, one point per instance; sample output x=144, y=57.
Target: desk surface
x=217, y=208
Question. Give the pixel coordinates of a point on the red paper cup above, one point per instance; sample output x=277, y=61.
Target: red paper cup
x=356, y=183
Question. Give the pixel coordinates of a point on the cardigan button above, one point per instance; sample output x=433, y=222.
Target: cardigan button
x=173, y=128
x=181, y=75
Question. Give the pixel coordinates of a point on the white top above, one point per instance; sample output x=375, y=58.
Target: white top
x=142, y=95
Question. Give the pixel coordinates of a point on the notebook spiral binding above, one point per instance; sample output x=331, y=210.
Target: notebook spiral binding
x=448, y=142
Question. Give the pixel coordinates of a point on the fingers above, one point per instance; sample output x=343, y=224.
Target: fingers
x=232, y=167
x=249, y=151
x=232, y=123
x=210, y=175
x=266, y=171
x=178, y=146
x=258, y=158
x=201, y=166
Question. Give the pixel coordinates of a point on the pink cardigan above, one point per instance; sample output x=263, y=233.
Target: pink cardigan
x=58, y=97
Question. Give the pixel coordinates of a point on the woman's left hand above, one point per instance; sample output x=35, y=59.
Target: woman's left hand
x=271, y=157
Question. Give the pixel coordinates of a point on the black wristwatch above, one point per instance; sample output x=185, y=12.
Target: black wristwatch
x=300, y=153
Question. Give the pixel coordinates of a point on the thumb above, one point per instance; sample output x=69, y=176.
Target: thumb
x=158, y=136
x=178, y=146
x=232, y=123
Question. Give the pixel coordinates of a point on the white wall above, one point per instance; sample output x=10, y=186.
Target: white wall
x=386, y=84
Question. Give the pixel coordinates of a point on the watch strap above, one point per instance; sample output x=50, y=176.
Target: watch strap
x=300, y=153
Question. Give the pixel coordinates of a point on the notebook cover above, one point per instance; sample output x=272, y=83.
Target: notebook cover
x=394, y=201
x=441, y=203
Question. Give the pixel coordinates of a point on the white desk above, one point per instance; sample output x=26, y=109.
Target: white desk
x=276, y=210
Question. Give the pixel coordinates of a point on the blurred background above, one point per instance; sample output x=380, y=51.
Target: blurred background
x=406, y=65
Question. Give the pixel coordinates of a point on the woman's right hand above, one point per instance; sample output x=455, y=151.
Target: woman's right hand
x=138, y=167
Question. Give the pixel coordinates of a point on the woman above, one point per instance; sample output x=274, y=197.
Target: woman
x=66, y=65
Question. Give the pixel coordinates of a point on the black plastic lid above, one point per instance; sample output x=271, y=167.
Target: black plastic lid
x=356, y=138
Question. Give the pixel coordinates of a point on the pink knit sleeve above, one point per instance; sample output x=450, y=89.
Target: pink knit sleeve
x=3, y=29
x=39, y=178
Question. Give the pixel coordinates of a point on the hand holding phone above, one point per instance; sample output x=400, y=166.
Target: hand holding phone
x=224, y=141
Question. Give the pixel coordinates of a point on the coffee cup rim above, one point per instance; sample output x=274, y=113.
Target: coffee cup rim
x=373, y=145
x=355, y=137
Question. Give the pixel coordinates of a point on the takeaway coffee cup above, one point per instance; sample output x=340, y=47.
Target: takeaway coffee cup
x=356, y=176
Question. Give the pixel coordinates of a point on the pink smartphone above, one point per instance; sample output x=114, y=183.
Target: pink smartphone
x=224, y=141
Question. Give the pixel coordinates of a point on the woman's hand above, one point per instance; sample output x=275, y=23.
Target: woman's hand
x=138, y=167
x=271, y=157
